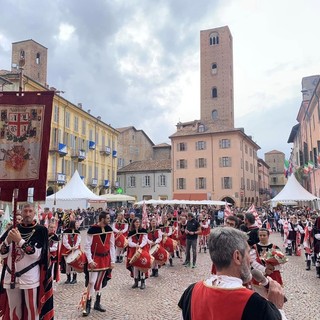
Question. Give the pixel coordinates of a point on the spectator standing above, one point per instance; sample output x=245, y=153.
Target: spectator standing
x=192, y=231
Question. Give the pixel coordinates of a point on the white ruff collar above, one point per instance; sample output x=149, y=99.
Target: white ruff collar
x=224, y=282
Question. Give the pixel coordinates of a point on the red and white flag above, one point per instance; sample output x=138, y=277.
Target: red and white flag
x=253, y=210
x=227, y=211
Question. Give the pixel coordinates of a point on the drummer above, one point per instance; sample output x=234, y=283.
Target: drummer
x=182, y=233
x=54, y=252
x=71, y=240
x=137, y=239
x=100, y=252
x=120, y=228
x=154, y=238
x=167, y=231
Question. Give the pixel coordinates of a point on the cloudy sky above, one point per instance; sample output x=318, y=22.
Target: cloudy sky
x=136, y=62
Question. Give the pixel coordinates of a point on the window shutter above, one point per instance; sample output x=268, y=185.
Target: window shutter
x=178, y=164
x=205, y=162
x=220, y=162
x=197, y=183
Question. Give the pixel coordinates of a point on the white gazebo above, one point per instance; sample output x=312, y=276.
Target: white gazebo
x=293, y=192
x=73, y=196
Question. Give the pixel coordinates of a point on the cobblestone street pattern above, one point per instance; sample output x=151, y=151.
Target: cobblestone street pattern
x=159, y=300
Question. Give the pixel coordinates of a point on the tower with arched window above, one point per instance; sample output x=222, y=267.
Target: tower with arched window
x=216, y=78
x=34, y=57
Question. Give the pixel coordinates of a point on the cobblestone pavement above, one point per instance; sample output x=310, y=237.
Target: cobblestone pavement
x=159, y=299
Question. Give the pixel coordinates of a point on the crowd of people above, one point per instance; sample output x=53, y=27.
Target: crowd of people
x=35, y=254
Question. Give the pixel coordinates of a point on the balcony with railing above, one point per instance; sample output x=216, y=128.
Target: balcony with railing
x=106, y=150
x=57, y=178
x=61, y=148
x=79, y=154
x=94, y=182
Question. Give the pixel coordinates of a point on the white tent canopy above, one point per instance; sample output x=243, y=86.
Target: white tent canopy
x=182, y=202
x=73, y=196
x=293, y=191
x=116, y=197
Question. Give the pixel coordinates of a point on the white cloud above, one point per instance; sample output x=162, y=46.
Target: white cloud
x=136, y=63
x=66, y=31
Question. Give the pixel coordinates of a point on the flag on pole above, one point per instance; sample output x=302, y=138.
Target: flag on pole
x=144, y=216
x=310, y=165
x=253, y=210
x=286, y=168
x=227, y=211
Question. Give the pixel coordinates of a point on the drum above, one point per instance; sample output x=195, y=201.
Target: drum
x=121, y=241
x=142, y=260
x=169, y=244
x=76, y=260
x=160, y=254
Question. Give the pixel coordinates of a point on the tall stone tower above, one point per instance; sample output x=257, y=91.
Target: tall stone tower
x=34, y=56
x=216, y=77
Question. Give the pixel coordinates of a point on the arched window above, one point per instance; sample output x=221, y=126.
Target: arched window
x=214, y=68
x=214, y=92
x=38, y=58
x=214, y=38
x=214, y=114
x=201, y=127
x=22, y=54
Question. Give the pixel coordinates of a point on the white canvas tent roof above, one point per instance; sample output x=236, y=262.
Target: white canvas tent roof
x=74, y=195
x=293, y=191
x=182, y=202
x=116, y=197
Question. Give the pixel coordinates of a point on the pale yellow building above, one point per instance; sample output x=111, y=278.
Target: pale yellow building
x=79, y=140
x=210, y=158
x=264, y=186
x=277, y=179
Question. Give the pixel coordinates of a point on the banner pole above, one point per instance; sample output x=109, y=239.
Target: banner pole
x=13, y=252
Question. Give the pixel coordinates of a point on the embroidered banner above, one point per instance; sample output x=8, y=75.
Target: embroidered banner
x=25, y=122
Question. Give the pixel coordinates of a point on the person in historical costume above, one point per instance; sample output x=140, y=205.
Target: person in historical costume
x=173, y=222
x=316, y=235
x=29, y=295
x=166, y=228
x=182, y=234
x=258, y=253
x=154, y=238
x=205, y=231
x=71, y=240
x=58, y=217
x=120, y=228
x=252, y=228
x=54, y=243
x=308, y=242
x=99, y=249
x=138, y=246
x=294, y=236
x=211, y=299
